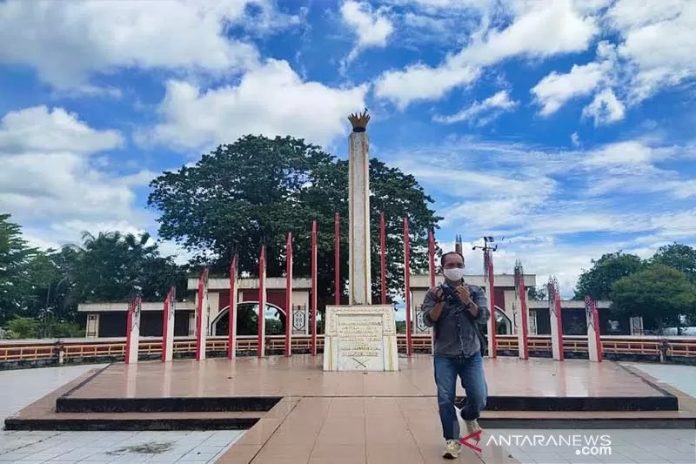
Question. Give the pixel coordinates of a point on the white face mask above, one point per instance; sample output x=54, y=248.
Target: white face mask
x=454, y=274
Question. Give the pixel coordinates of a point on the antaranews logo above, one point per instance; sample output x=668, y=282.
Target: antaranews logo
x=584, y=444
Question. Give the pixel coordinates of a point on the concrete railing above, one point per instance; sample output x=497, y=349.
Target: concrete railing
x=13, y=351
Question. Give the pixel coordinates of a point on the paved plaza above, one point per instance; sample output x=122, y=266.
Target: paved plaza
x=336, y=426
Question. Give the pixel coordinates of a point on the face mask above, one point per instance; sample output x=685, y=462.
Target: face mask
x=454, y=274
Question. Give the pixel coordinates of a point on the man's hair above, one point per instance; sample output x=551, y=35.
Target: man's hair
x=444, y=255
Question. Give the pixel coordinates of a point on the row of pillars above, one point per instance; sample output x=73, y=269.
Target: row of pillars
x=133, y=318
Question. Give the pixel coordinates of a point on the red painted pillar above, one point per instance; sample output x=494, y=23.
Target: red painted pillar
x=314, y=288
x=337, y=259
x=232, y=312
x=431, y=271
x=407, y=284
x=523, y=348
x=492, y=326
x=383, y=258
x=261, y=337
x=288, y=296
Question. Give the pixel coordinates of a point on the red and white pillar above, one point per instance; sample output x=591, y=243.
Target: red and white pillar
x=556, y=319
x=407, y=284
x=383, y=259
x=431, y=275
x=202, y=315
x=313, y=263
x=232, y=312
x=522, y=320
x=133, y=330
x=288, y=296
x=337, y=259
x=261, y=337
x=168, y=325
x=594, y=342
x=489, y=276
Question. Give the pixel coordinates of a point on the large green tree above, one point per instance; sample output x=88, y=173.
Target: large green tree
x=112, y=267
x=15, y=257
x=679, y=256
x=658, y=293
x=254, y=191
x=597, y=281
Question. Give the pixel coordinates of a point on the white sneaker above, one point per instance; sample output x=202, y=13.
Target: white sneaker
x=452, y=449
x=472, y=426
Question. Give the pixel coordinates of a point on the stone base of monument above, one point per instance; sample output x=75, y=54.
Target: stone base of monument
x=360, y=338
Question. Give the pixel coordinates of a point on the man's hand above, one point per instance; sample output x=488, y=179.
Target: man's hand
x=464, y=295
x=438, y=294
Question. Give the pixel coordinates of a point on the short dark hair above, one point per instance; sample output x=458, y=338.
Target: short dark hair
x=444, y=255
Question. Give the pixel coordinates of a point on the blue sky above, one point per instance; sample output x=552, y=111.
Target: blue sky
x=563, y=128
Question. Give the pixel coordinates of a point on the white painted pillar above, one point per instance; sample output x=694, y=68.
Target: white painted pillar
x=359, y=217
x=168, y=326
x=594, y=343
x=133, y=330
x=202, y=316
x=556, y=321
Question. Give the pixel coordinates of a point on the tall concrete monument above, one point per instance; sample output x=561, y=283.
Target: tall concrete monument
x=359, y=212
x=360, y=336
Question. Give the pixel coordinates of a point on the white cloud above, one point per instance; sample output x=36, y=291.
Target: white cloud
x=270, y=100
x=659, y=40
x=605, y=108
x=66, y=42
x=48, y=182
x=56, y=130
x=372, y=28
x=539, y=29
x=482, y=112
x=554, y=90
x=575, y=139
x=421, y=82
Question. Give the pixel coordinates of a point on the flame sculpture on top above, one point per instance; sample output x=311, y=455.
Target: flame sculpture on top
x=359, y=121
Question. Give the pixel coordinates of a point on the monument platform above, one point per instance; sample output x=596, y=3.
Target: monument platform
x=296, y=412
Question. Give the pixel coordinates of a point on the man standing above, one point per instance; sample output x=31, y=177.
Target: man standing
x=452, y=309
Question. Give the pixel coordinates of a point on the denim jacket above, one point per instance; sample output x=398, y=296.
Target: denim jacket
x=454, y=332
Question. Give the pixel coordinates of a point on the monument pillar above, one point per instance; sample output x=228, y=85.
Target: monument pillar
x=360, y=336
x=359, y=212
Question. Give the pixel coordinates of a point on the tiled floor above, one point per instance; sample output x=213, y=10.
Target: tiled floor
x=21, y=387
x=303, y=376
x=113, y=447
x=330, y=424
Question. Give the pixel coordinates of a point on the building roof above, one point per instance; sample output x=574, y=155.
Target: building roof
x=566, y=304
x=117, y=306
x=272, y=283
x=422, y=281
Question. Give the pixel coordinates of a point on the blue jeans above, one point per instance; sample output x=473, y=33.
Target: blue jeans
x=470, y=371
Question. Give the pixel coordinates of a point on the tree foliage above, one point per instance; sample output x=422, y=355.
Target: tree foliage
x=254, y=191
x=658, y=293
x=15, y=258
x=678, y=256
x=608, y=269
